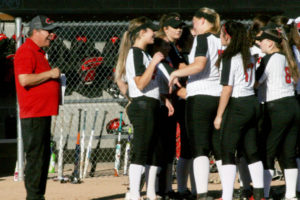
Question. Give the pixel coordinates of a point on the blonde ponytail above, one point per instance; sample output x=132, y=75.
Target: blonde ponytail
x=123, y=52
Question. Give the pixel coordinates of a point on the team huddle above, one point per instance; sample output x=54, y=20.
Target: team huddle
x=233, y=91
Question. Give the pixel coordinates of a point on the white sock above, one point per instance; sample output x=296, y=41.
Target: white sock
x=257, y=174
x=244, y=174
x=290, y=176
x=192, y=178
x=151, y=194
x=201, y=172
x=268, y=174
x=228, y=178
x=135, y=173
x=182, y=171
x=298, y=179
x=219, y=166
x=169, y=177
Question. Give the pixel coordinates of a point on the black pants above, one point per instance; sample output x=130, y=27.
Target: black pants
x=143, y=113
x=283, y=118
x=36, y=138
x=239, y=130
x=185, y=149
x=165, y=151
x=166, y=144
x=298, y=143
x=200, y=114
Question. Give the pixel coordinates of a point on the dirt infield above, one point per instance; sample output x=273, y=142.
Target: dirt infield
x=99, y=188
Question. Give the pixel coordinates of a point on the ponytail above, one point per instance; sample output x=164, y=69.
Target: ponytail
x=123, y=52
x=293, y=67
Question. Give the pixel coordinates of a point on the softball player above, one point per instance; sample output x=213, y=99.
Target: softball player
x=240, y=103
x=295, y=42
x=143, y=89
x=171, y=31
x=203, y=91
x=164, y=150
x=281, y=110
x=258, y=22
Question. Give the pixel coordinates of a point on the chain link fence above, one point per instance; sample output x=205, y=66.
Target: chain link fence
x=86, y=52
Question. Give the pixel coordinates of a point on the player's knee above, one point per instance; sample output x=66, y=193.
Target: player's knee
x=228, y=158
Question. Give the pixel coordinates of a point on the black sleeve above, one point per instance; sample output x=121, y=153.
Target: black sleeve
x=168, y=67
x=138, y=59
x=202, y=46
x=226, y=63
x=260, y=70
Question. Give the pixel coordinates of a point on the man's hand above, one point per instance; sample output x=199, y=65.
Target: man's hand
x=55, y=73
x=27, y=80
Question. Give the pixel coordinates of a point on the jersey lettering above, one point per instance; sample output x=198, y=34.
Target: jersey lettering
x=287, y=75
x=250, y=66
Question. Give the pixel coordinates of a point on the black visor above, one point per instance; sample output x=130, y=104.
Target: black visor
x=265, y=35
x=174, y=22
x=148, y=24
x=208, y=17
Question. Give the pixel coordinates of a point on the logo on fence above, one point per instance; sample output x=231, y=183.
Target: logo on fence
x=88, y=69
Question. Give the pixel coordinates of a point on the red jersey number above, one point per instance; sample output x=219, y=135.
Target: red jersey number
x=250, y=66
x=288, y=78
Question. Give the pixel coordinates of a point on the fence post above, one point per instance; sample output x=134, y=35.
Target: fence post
x=18, y=22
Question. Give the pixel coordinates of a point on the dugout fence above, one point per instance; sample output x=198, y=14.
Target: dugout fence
x=86, y=53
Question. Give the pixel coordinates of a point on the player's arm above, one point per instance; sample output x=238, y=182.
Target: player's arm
x=27, y=80
x=182, y=65
x=227, y=74
x=261, y=72
x=224, y=99
x=197, y=66
x=143, y=80
x=181, y=92
x=123, y=86
x=199, y=63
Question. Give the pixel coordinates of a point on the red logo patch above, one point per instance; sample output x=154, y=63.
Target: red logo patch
x=49, y=21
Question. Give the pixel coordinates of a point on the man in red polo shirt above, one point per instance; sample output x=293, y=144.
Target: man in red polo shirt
x=37, y=87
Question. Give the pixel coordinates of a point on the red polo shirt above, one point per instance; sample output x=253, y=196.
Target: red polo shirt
x=40, y=100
